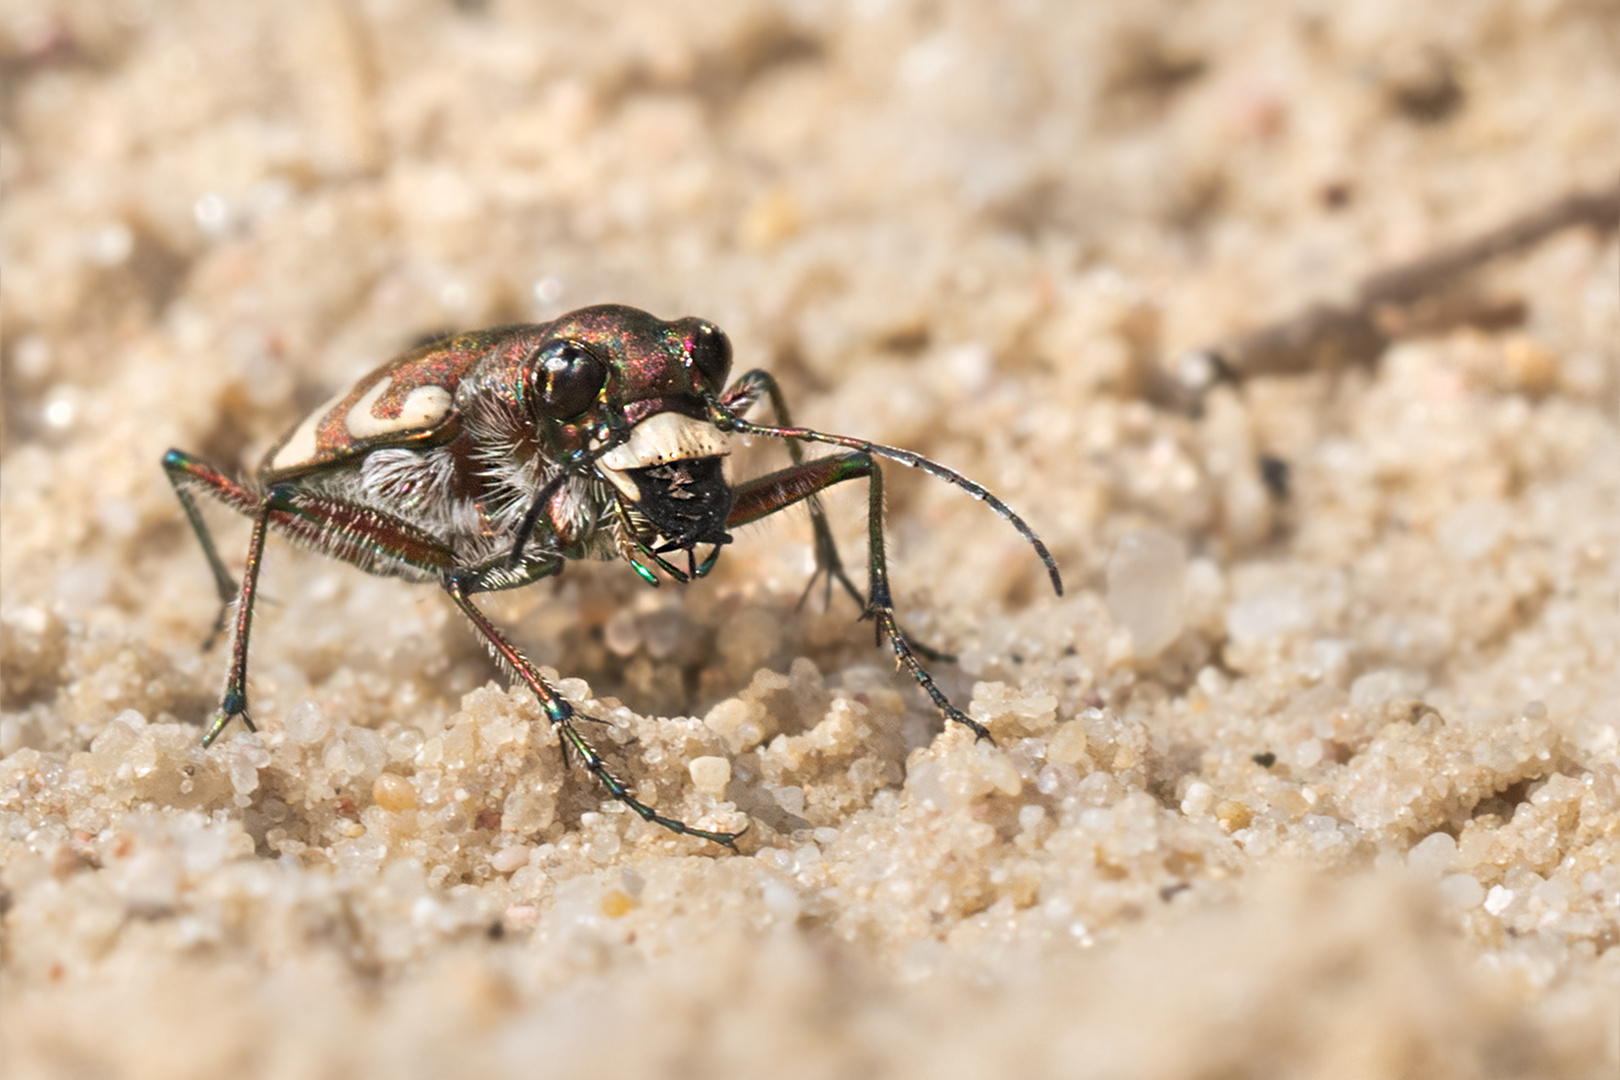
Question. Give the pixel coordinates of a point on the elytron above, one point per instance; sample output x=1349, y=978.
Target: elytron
x=489, y=460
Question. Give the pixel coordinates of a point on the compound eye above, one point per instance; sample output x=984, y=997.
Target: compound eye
x=569, y=378
x=711, y=354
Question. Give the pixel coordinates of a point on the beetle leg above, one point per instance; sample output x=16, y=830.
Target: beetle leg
x=184, y=473
x=562, y=717
x=329, y=523
x=766, y=495
x=233, y=702
x=742, y=394
x=360, y=535
x=363, y=536
x=497, y=573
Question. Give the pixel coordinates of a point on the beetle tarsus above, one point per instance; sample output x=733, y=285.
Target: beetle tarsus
x=222, y=719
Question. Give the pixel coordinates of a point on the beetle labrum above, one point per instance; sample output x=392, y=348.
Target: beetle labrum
x=490, y=459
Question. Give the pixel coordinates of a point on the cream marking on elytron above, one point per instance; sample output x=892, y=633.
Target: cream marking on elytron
x=300, y=445
x=423, y=407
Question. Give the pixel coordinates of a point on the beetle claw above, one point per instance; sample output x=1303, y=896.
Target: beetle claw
x=229, y=710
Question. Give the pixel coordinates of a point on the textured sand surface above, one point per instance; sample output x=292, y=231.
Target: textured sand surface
x=1313, y=772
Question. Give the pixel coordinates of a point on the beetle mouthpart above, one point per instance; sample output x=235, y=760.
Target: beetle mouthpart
x=687, y=501
x=658, y=440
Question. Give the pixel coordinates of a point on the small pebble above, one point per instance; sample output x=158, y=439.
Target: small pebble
x=1146, y=582
x=1233, y=816
x=306, y=723
x=1462, y=890
x=1068, y=744
x=1498, y=900
x=1431, y=857
x=393, y=793
x=509, y=859
x=710, y=775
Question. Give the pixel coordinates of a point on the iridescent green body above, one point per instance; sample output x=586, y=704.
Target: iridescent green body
x=488, y=460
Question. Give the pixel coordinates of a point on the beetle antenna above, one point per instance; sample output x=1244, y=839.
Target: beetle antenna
x=913, y=460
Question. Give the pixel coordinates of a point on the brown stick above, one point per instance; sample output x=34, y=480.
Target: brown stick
x=1328, y=336
x=1403, y=284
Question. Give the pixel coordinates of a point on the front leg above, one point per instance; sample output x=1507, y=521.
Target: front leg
x=562, y=716
x=766, y=495
x=740, y=396
x=499, y=572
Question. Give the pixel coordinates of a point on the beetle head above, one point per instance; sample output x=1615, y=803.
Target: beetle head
x=636, y=387
x=642, y=364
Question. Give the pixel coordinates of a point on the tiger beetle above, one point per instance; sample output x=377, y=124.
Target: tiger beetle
x=490, y=459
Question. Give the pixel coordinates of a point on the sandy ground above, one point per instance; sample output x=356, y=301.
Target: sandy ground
x=1313, y=772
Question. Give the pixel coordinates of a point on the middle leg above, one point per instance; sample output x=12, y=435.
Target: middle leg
x=766, y=495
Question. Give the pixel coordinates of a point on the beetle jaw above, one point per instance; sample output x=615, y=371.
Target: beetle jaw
x=657, y=440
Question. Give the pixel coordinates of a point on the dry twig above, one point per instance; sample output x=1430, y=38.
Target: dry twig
x=1326, y=336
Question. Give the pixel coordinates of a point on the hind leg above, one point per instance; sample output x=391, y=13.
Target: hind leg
x=188, y=474
x=358, y=535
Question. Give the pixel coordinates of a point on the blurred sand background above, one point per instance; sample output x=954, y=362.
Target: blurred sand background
x=1314, y=771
